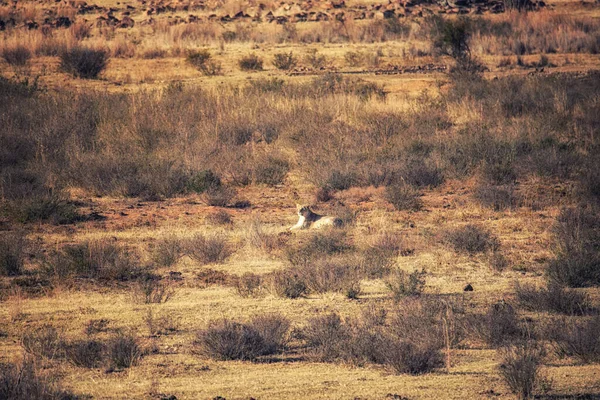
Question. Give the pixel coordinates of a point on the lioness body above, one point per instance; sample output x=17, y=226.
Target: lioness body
x=308, y=219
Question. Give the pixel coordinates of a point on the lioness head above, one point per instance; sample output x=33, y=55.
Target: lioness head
x=303, y=211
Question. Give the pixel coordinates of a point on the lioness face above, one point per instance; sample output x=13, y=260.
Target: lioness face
x=303, y=211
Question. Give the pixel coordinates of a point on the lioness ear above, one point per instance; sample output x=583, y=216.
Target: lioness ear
x=298, y=206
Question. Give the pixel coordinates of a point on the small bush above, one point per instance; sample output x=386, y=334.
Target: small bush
x=498, y=326
x=577, y=262
x=285, y=61
x=207, y=250
x=221, y=217
x=271, y=171
x=251, y=62
x=17, y=56
x=498, y=198
x=151, y=289
x=12, y=253
x=402, y=284
x=45, y=207
x=257, y=237
x=553, y=298
x=341, y=180
x=161, y=324
x=288, y=284
x=403, y=197
x=203, y=61
x=520, y=367
x=381, y=255
x=248, y=284
x=207, y=277
x=24, y=381
x=315, y=60
x=228, y=340
x=422, y=175
x=95, y=259
x=123, y=351
x=167, y=251
x=408, y=358
x=87, y=353
x=354, y=58
x=43, y=342
x=326, y=337
x=203, y=181
x=472, y=239
x=219, y=196
x=84, y=62
x=318, y=245
x=331, y=275
x=579, y=339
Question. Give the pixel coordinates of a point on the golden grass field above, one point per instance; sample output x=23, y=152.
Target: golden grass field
x=171, y=364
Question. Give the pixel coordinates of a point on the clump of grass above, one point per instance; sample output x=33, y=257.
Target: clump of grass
x=498, y=198
x=24, y=381
x=380, y=256
x=12, y=253
x=16, y=55
x=288, y=284
x=285, y=61
x=248, y=284
x=251, y=62
x=498, y=326
x=319, y=245
x=167, y=251
x=403, y=197
x=203, y=181
x=520, y=367
x=83, y=62
x=471, y=239
x=208, y=249
x=204, y=62
x=552, y=298
x=152, y=289
x=44, y=342
x=271, y=171
x=221, y=196
x=87, y=353
x=409, y=358
x=220, y=217
x=576, y=338
x=123, y=350
x=228, y=340
x=403, y=284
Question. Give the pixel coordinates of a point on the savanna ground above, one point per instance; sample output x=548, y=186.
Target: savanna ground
x=152, y=155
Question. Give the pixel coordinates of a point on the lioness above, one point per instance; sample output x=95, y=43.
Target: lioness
x=308, y=219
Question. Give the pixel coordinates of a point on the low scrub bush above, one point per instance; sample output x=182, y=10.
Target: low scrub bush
x=339, y=274
x=471, y=239
x=270, y=171
x=403, y=284
x=167, y=251
x=251, y=62
x=285, y=61
x=520, y=367
x=498, y=326
x=259, y=238
x=498, y=198
x=228, y=340
x=152, y=289
x=16, y=55
x=220, y=217
x=43, y=207
x=221, y=196
x=248, y=284
x=553, y=298
x=83, y=62
x=96, y=259
x=87, y=353
x=208, y=249
x=288, y=283
x=43, y=342
x=409, y=358
x=12, y=253
x=203, y=181
x=207, y=277
x=381, y=254
x=576, y=338
x=403, y=197
x=24, y=381
x=123, y=351
x=577, y=235
x=203, y=61
x=318, y=245
x=422, y=175
x=326, y=337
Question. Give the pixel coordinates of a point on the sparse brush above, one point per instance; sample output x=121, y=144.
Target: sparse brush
x=219, y=196
x=553, y=298
x=317, y=246
x=87, y=353
x=403, y=197
x=203, y=181
x=124, y=350
x=285, y=61
x=84, y=62
x=25, y=381
x=271, y=171
x=576, y=338
x=152, y=289
x=248, y=284
x=208, y=249
x=16, y=55
x=203, y=61
x=403, y=284
x=167, y=251
x=45, y=341
x=520, y=367
x=220, y=217
x=288, y=284
x=12, y=252
x=250, y=62
x=498, y=326
x=498, y=198
x=409, y=358
x=471, y=239
x=315, y=60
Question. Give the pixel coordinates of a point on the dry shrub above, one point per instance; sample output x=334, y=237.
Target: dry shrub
x=498, y=326
x=228, y=340
x=84, y=62
x=95, y=326
x=87, y=353
x=520, y=367
x=152, y=289
x=248, y=285
x=337, y=274
x=219, y=196
x=471, y=239
x=12, y=253
x=16, y=55
x=403, y=197
x=207, y=277
x=288, y=284
x=123, y=350
x=318, y=245
x=24, y=381
x=553, y=298
x=326, y=337
x=80, y=30
x=315, y=60
x=208, y=249
x=409, y=358
x=251, y=62
x=257, y=237
x=163, y=324
x=202, y=181
x=270, y=171
x=44, y=342
x=122, y=48
x=167, y=251
x=402, y=284
x=285, y=61
x=498, y=198
x=576, y=338
x=203, y=61
x=577, y=235
x=381, y=254
x=220, y=217
x=95, y=259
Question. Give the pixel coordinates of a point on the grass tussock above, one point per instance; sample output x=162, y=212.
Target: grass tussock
x=471, y=239
x=520, y=367
x=209, y=249
x=84, y=62
x=553, y=298
x=576, y=338
x=12, y=253
x=25, y=381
